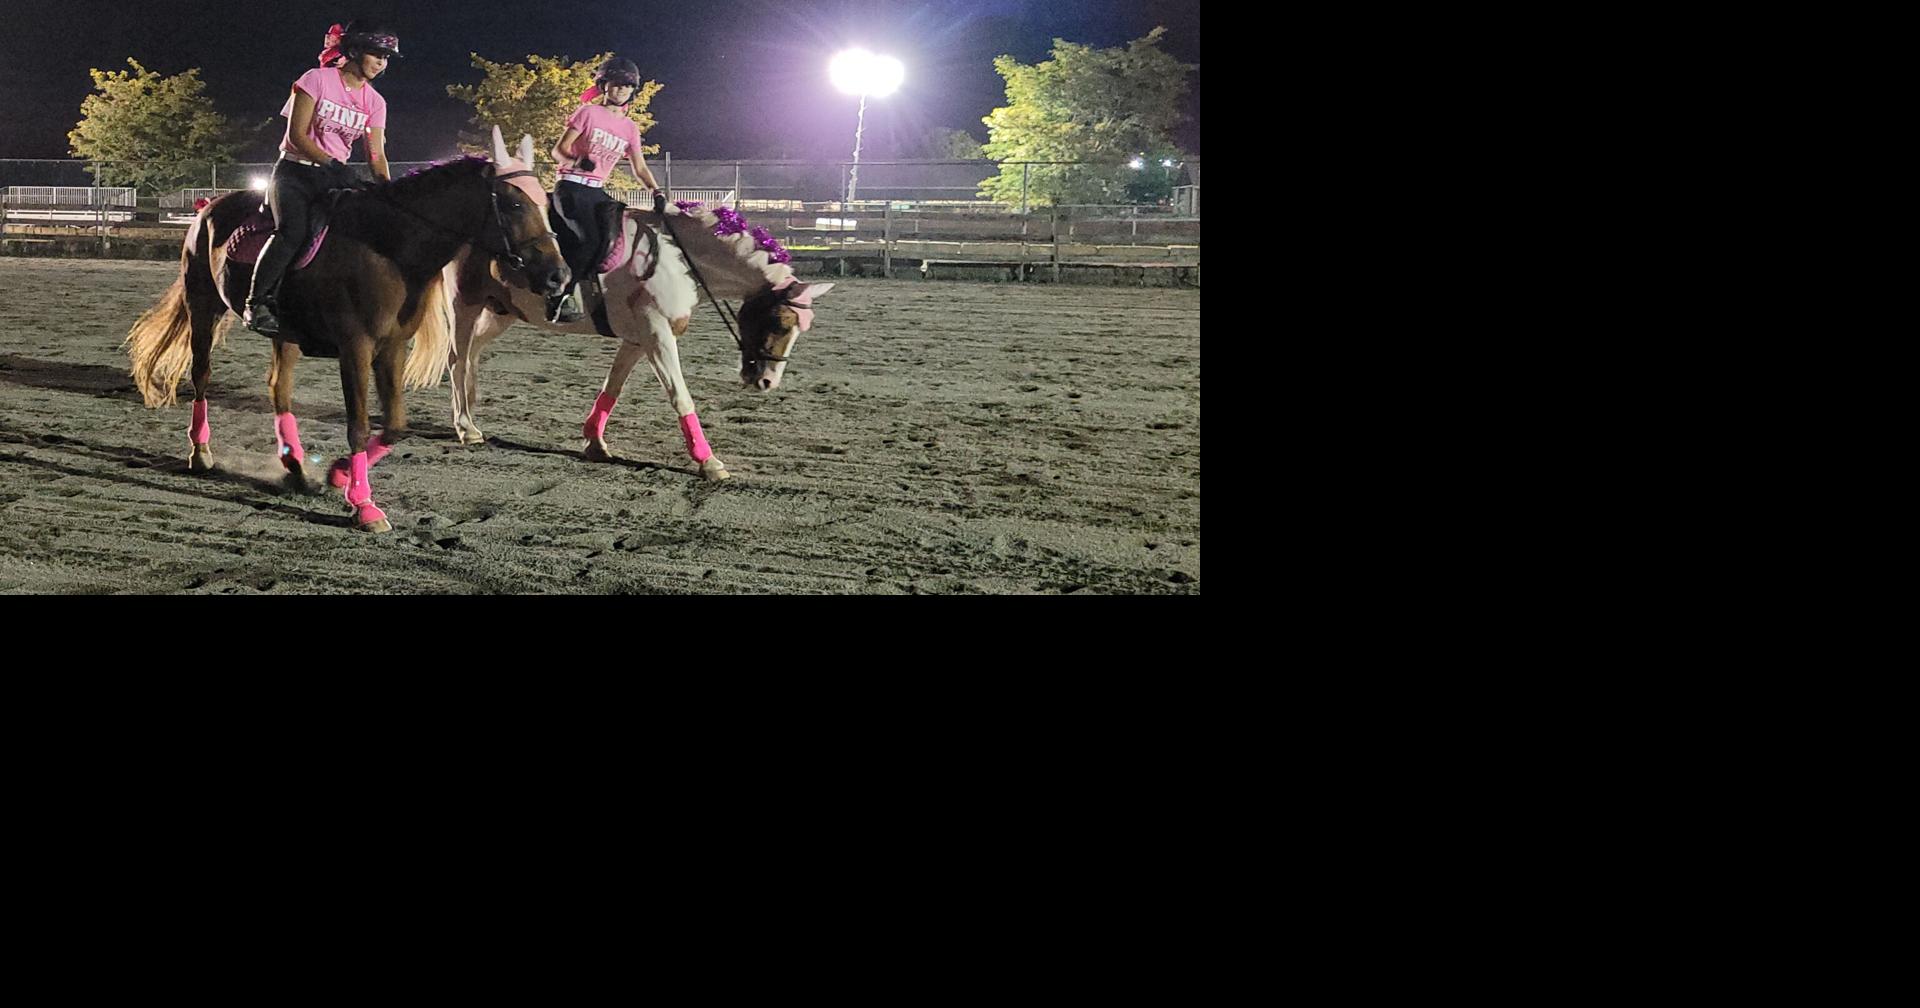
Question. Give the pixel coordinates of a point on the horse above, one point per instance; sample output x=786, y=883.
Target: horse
x=663, y=262
x=374, y=283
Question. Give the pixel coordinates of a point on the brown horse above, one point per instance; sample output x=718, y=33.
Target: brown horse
x=374, y=284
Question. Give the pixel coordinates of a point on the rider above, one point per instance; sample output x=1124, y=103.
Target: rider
x=331, y=106
x=598, y=136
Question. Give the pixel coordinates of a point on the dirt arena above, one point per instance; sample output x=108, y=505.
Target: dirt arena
x=929, y=437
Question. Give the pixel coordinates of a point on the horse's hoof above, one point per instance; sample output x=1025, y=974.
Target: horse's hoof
x=369, y=518
x=713, y=470
x=596, y=451
x=201, y=460
x=472, y=435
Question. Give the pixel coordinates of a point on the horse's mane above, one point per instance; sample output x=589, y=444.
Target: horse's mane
x=756, y=245
x=432, y=177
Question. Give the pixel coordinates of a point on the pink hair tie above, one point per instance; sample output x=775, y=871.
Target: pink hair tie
x=590, y=94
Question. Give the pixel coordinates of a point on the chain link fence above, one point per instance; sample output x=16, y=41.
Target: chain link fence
x=747, y=182
x=925, y=214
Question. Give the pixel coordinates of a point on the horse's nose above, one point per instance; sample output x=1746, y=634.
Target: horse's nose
x=765, y=384
x=556, y=279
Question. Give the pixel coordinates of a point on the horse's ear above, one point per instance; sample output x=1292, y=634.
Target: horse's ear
x=526, y=149
x=815, y=290
x=499, y=148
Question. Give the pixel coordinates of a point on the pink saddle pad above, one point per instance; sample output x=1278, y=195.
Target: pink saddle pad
x=244, y=245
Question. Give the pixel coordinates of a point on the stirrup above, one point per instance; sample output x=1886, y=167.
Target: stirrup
x=564, y=309
x=261, y=319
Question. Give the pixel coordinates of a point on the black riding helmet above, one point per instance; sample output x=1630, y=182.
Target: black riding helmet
x=618, y=71
x=360, y=41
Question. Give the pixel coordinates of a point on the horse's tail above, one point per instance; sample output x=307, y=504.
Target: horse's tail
x=433, y=341
x=159, y=346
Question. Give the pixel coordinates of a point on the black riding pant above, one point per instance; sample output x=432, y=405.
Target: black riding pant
x=579, y=225
x=291, y=195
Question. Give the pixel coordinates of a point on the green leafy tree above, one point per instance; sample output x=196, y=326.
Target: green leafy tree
x=1153, y=181
x=537, y=97
x=1099, y=106
x=152, y=131
x=943, y=143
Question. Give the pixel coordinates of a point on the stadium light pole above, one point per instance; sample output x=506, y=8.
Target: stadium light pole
x=857, y=71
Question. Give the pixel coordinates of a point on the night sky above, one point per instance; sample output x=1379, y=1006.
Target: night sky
x=742, y=80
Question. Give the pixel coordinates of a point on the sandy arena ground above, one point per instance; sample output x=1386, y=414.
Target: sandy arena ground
x=929, y=437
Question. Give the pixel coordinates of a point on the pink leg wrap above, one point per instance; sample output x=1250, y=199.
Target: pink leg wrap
x=596, y=425
x=696, y=440
x=360, y=492
x=200, y=431
x=286, y=430
x=340, y=474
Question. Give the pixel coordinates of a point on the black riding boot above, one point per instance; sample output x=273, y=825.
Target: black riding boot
x=267, y=274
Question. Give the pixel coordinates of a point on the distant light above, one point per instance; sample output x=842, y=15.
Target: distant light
x=1166, y=164
x=859, y=72
x=259, y=182
x=1137, y=163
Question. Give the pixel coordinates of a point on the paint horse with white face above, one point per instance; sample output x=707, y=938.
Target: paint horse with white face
x=662, y=264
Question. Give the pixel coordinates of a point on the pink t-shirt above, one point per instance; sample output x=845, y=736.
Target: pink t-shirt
x=340, y=116
x=608, y=134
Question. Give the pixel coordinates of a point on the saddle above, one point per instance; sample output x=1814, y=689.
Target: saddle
x=243, y=251
x=626, y=233
x=244, y=245
x=620, y=243
x=608, y=217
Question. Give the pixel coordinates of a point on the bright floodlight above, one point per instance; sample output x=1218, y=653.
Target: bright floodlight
x=857, y=71
x=1136, y=164
x=259, y=182
x=1167, y=163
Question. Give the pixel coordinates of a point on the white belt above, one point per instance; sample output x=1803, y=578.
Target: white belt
x=583, y=180
x=311, y=164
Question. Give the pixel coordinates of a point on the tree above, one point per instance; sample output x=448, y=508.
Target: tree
x=946, y=144
x=1100, y=106
x=151, y=131
x=538, y=97
x=1153, y=181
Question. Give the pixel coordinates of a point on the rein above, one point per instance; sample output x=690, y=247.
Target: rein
x=508, y=253
x=660, y=207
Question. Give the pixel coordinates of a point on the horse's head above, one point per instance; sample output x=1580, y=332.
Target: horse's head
x=525, y=242
x=770, y=323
